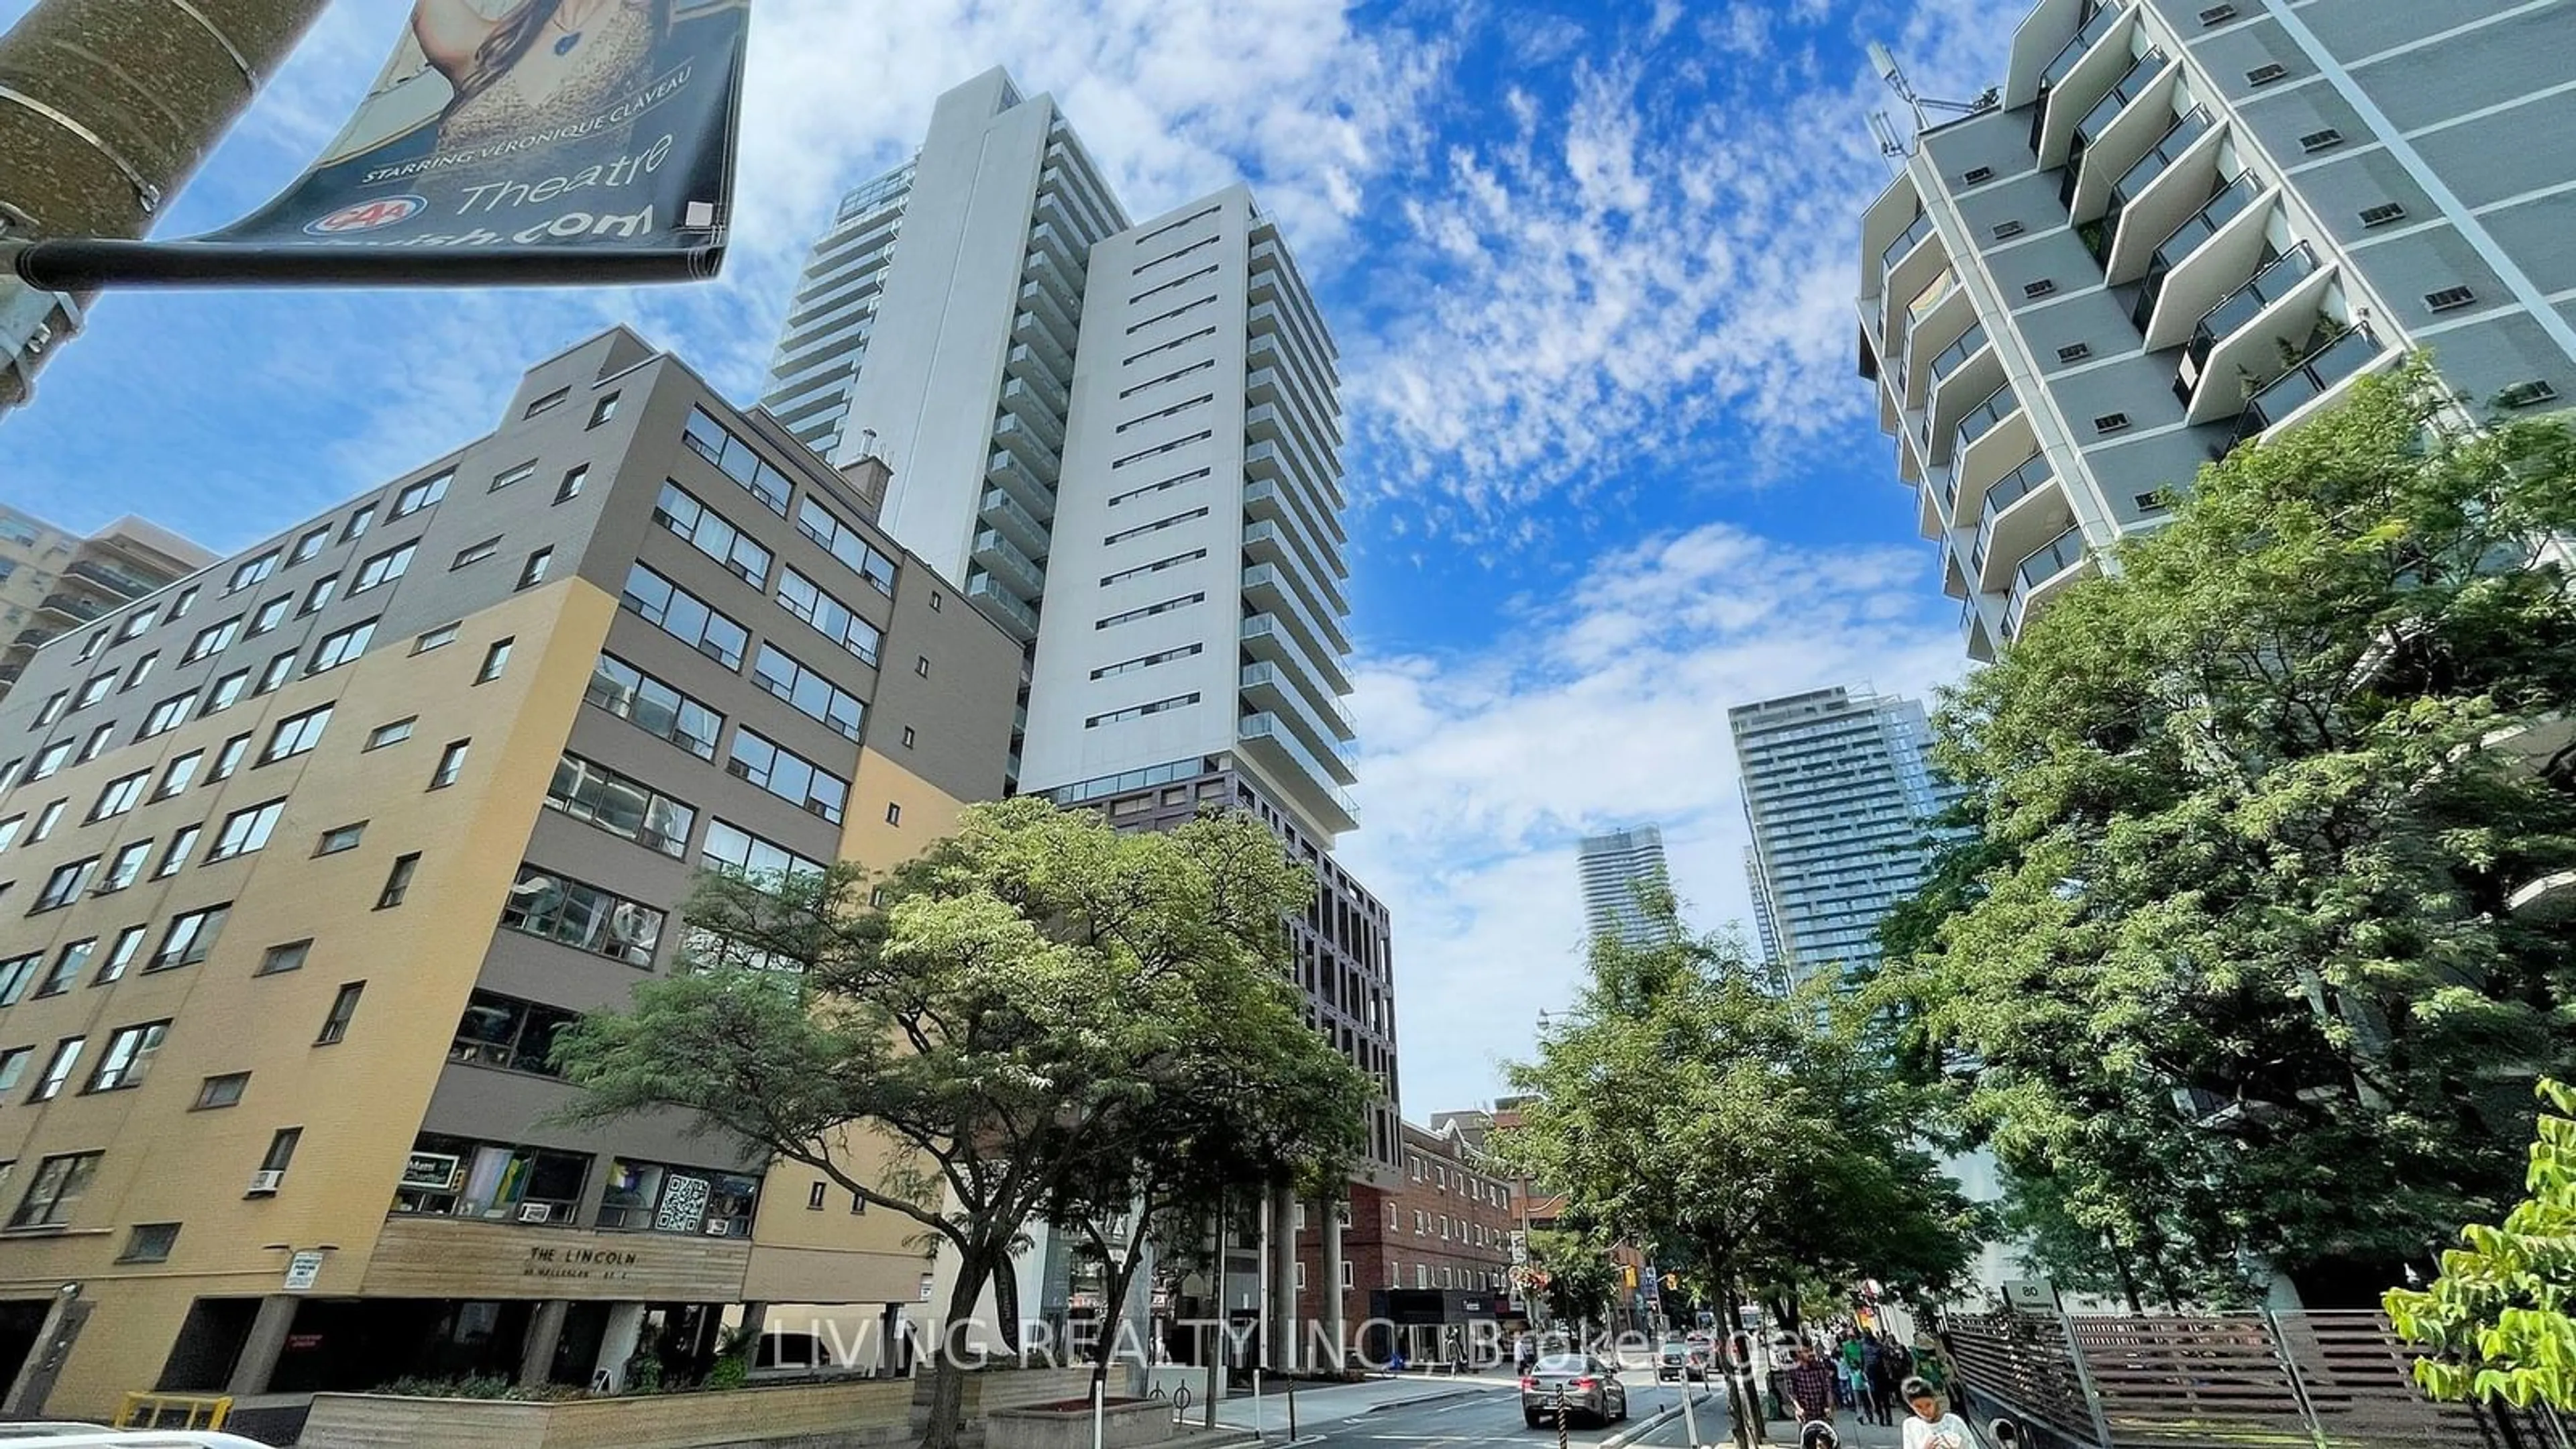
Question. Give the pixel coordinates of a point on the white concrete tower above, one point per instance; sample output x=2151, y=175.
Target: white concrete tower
x=1196, y=606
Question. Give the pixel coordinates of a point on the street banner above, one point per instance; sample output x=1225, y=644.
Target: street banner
x=507, y=141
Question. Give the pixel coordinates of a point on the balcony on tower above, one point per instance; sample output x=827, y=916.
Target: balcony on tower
x=2212, y=250
x=1002, y=559
x=996, y=602
x=2116, y=131
x=2253, y=334
x=1016, y=436
x=1284, y=759
x=1268, y=462
x=1268, y=637
x=2157, y=191
x=2042, y=574
x=1270, y=589
x=2335, y=356
x=2021, y=511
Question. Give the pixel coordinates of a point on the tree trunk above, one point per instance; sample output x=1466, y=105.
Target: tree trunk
x=2128, y=1280
x=947, y=1372
x=1748, y=1415
x=1006, y=1300
x=1118, y=1277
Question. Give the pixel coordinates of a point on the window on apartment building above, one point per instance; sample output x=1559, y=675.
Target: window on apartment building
x=390, y=734
x=128, y=1057
x=120, y=795
x=324, y=588
x=189, y=938
x=126, y=866
x=398, y=881
x=296, y=735
x=284, y=957
x=187, y=600
x=96, y=744
x=223, y=1091
x=224, y=693
x=548, y=403
x=451, y=764
x=251, y=571
x=359, y=522
x=570, y=488
x=246, y=830
x=177, y=855
x=309, y=545
x=64, y=885
x=533, y=572
x=384, y=568
x=129, y=944
x=438, y=638
x=475, y=553
x=269, y=615
x=176, y=775
x=53, y=707
x=344, y=1009
x=149, y=1243
x=55, y=1190
x=228, y=758
x=139, y=671
x=423, y=494
x=93, y=690
x=67, y=967
x=280, y=1155
x=58, y=1068
x=603, y=410
x=339, y=838
x=341, y=646
x=508, y=476
x=495, y=659
x=274, y=677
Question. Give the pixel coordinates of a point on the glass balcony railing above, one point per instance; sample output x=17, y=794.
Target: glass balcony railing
x=2223, y=206
x=2098, y=20
x=2124, y=90
x=1968, y=345
x=2274, y=281
x=2185, y=130
x=2037, y=567
x=2313, y=377
x=2016, y=485
x=1905, y=241
x=1981, y=420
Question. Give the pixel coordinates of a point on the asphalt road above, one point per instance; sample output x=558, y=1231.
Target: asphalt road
x=1492, y=1416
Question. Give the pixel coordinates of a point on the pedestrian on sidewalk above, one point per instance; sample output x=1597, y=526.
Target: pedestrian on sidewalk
x=1847, y=1366
x=1811, y=1388
x=1932, y=1425
x=1884, y=1368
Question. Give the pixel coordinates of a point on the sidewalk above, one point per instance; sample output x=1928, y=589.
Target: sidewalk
x=1319, y=1403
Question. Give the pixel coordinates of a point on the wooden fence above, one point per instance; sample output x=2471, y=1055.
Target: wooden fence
x=2218, y=1381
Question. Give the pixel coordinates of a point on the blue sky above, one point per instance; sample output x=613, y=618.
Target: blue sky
x=1589, y=267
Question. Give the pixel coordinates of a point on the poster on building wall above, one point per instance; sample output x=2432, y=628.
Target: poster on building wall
x=506, y=141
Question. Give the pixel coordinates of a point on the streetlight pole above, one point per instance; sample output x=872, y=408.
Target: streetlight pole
x=107, y=107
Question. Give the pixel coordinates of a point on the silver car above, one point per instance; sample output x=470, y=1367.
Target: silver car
x=1583, y=1385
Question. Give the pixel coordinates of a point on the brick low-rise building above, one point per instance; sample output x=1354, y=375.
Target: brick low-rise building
x=1424, y=1264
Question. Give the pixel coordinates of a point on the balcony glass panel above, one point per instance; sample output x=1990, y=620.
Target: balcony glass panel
x=2152, y=165
x=2044, y=563
x=1958, y=352
x=2144, y=69
x=2011, y=489
x=2241, y=306
x=2096, y=24
x=2315, y=375
x=1904, y=242
x=1980, y=421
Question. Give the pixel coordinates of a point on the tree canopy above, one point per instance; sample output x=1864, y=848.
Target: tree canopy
x=1009, y=1019
x=2232, y=975
x=1757, y=1137
x=2500, y=1322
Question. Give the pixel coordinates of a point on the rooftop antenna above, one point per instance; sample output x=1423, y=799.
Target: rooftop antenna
x=1882, y=60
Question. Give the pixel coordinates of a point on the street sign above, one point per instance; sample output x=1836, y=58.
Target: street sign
x=2040, y=1295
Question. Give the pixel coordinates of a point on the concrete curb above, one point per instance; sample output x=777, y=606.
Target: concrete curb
x=1430, y=1398
x=1642, y=1428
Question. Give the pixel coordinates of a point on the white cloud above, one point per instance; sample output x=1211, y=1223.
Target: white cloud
x=1672, y=247
x=1603, y=707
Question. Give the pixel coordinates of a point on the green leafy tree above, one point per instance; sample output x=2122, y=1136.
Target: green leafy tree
x=1760, y=1135
x=1582, y=1281
x=2233, y=974
x=963, y=1054
x=2500, y=1323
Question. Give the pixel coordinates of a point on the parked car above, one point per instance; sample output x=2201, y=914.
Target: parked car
x=1587, y=1386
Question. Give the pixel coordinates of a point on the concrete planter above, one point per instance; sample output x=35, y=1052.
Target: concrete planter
x=1122, y=1426
x=848, y=1415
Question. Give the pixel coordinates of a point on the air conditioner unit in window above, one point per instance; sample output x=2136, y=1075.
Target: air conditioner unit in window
x=265, y=1183
x=719, y=1228
x=536, y=1212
